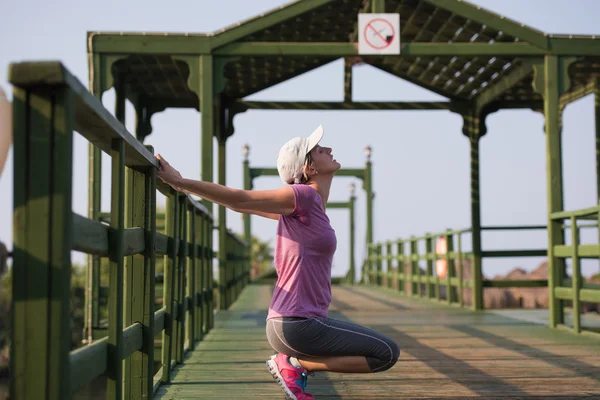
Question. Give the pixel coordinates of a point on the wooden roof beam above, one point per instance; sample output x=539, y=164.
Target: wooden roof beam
x=510, y=27
x=492, y=92
x=265, y=20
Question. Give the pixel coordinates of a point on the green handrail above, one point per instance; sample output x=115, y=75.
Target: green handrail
x=576, y=290
x=50, y=104
x=403, y=269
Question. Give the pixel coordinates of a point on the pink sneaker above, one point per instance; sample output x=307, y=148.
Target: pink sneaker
x=291, y=379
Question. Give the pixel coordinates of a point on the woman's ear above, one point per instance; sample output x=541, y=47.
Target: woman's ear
x=309, y=170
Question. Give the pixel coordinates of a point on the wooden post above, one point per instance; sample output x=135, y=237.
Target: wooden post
x=576, y=281
x=551, y=88
x=430, y=262
x=401, y=270
x=191, y=279
x=474, y=128
x=225, y=268
x=207, y=119
x=114, y=386
x=352, y=241
x=181, y=267
x=43, y=126
x=597, y=124
x=172, y=229
x=347, y=80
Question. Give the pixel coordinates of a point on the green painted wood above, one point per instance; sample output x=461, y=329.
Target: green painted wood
x=576, y=277
x=198, y=289
x=206, y=92
x=411, y=49
x=589, y=295
x=264, y=21
x=161, y=243
x=88, y=363
x=92, y=314
x=578, y=46
x=378, y=6
x=347, y=80
x=551, y=93
x=352, y=274
x=255, y=172
x=180, y=284
x=93, y=121
x=368, y=186
x=513, y=227
x=42, y=231
x=224, y=267
x=591, y=211
x=108, y=43
x=388, y=263
x=190, y=289
x=502, y=85
x=516, y=283
x=513, y=253
x=501, y=23
x=400, y=283
x=90, y=237
x=451, y=273
x=474, y=129
x=172, y=229
x=114, y=388
x=596, y=91
x=346, y=105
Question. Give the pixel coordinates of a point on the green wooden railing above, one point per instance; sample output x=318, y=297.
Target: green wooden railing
x=383, y=260
x=574, y=289
x=406, y=253
x=49, y=104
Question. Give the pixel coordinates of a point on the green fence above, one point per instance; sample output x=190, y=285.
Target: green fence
x=395, y=264
x=574, y=289
x=405, y=253
x=50, y=104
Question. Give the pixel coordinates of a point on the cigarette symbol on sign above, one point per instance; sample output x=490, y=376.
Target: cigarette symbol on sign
x=379, y=33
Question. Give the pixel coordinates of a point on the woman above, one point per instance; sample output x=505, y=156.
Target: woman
x=298, y=327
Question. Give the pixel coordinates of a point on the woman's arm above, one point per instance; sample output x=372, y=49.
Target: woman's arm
x=261, y=202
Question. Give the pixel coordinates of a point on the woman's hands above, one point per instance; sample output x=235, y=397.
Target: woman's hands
x=168, y=174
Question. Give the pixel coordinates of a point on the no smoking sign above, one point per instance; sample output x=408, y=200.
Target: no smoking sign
x=379, y=34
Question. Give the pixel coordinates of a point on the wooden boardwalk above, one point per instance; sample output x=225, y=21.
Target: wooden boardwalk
x=446, y=353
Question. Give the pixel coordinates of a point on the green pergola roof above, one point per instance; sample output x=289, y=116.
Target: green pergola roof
x=450, y=47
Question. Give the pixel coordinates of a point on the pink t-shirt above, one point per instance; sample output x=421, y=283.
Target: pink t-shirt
x=304, y=250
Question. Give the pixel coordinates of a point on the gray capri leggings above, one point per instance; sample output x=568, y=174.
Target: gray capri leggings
x=305, y=338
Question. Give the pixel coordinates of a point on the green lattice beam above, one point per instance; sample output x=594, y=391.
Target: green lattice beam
x=493, y=20
x=311, y=105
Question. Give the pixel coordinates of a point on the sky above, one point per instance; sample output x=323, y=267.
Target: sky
x=420, y=158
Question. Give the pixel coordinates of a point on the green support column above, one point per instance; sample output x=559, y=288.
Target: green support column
x=207, y=119
x=42, y=230
x=225, y=268
x=377, y=6
x=474, y=128
x=597, y=121
x=170, y=262
x=247, y=186
x=551, y=79
x=352, y=240
x=347, y=80
x=368, y=186
x=114, y=370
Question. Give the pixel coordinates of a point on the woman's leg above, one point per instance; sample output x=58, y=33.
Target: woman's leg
x=323, y=344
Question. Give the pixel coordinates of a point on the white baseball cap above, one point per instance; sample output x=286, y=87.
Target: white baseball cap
x=293, y=154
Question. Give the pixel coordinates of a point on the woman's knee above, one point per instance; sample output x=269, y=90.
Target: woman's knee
x=389, y=360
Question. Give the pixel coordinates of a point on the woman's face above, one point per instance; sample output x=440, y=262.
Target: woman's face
x=323, y=160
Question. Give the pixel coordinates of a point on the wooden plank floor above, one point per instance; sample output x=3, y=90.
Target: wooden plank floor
x=446, y=353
